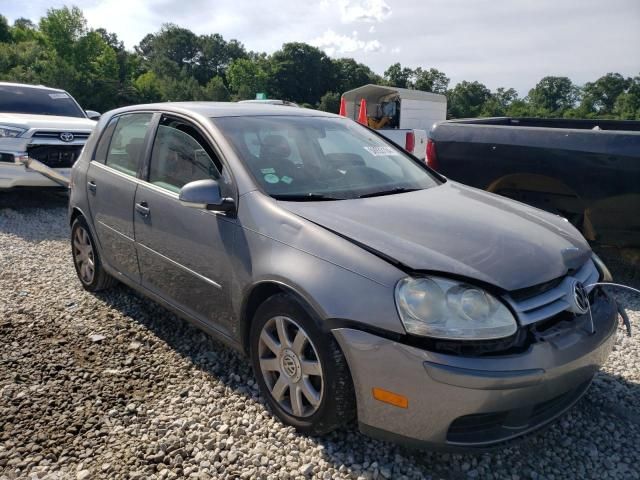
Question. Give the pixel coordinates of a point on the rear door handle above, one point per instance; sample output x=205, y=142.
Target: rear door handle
x=142, y=208
x=92, y=185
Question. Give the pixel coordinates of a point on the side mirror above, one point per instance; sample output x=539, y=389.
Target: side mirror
x=205, y=194
x=92, y=114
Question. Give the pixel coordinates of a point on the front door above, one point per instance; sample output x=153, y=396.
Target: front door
x=111, y=187
x=184, y=252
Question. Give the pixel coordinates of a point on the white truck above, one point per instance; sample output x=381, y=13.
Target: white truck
x=42, y=132
x=403, y=116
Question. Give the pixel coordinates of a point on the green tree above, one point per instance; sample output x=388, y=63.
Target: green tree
x=627, y=106
x=396, y=76
x=216, y=56
x=500, y=102
x=467, y=99
x=600, y=97
x=350, y=74
x=330, y=102
x=432, y=80
x=5, y=30
x=300, y=72
x=216, y=91
x=171, y=51
x=248, y=77
x=148, y=88
x=25, y=30
x=62, y=28
x=552, y=96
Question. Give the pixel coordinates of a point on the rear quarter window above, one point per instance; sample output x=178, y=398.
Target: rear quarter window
x=100, y=154
x=127, y=142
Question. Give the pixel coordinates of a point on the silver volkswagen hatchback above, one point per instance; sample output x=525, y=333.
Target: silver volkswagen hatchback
x=361, y=283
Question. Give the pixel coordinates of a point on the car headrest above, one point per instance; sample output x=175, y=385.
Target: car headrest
x=134, y=147
x=275, y=146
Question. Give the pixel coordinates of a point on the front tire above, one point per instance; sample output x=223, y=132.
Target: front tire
x=86, y=259
x=300, y=369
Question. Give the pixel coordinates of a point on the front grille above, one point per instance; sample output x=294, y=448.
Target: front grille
x=552, y=300
x=495, y=427
x=6, y=157
x=55, y=156
x=56, y=135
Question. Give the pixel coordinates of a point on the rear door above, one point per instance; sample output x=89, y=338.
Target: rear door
x=111, y=186
x=184, y=252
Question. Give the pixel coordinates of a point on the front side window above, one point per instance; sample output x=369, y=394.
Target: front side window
x=180, y=155
x=127, y=143
x=305, y=158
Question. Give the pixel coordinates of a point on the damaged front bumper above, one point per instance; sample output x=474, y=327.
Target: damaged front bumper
x=462, y=401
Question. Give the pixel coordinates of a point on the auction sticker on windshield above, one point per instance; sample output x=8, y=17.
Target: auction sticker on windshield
x=381, y=151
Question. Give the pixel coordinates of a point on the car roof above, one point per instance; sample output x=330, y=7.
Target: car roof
x=228, y=109
x=26, y=85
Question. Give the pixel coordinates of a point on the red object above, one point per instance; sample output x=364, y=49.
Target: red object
x=432, y=156
x=362, y=116
x=410, y=142
x=343, y=107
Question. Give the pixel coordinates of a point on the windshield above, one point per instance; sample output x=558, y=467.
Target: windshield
x=319, y=158
x=37, y=101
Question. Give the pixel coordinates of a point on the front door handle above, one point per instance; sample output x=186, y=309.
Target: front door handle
x=142, y=208
x=92, y=186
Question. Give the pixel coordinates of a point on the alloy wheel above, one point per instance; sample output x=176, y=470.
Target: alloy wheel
x=83, y=255
x=290, y=366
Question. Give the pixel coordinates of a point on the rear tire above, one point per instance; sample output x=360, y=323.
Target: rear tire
x=86, y=259
x=305, y=377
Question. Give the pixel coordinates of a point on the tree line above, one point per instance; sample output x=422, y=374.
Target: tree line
x=175, y=64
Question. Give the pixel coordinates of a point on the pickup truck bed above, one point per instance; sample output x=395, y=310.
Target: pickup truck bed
x=585, y=170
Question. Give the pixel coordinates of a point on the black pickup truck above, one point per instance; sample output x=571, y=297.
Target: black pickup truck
x=585, y=170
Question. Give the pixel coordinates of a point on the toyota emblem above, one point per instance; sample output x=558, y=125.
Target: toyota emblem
x=66, y=137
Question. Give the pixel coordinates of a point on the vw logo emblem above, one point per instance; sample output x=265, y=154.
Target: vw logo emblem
x=66, y=137
x=289, y=366
x=580, y=299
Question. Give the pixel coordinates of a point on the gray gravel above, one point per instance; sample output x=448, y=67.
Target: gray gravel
x=114, y=386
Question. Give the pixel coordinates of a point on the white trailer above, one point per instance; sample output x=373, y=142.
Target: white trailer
x=403, y=116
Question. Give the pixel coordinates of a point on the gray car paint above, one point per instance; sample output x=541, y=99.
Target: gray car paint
x=315, y=249
x=458, y=230
x=273, y=245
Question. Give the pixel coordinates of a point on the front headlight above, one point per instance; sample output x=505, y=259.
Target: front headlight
x=442, y=308
x=6, y=131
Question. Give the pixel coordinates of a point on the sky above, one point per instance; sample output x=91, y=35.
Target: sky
x=501, y=43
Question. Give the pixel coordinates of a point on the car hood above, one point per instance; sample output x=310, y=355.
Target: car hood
x=27, y=121
x=455, y=229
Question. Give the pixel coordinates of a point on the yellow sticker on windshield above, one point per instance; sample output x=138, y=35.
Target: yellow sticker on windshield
x=271, y=178
x=286, y=179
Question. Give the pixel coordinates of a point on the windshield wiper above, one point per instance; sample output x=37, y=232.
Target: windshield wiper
x=391, y=191
x=305, y=197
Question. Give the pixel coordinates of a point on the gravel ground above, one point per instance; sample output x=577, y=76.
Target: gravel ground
x=114, y=386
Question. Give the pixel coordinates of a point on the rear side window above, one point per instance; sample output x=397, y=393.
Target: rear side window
x=180, y=155
x=127, y=143
x=103, y=144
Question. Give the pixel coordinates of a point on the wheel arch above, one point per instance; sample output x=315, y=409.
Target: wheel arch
x=259, y=293
x=75, y=213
